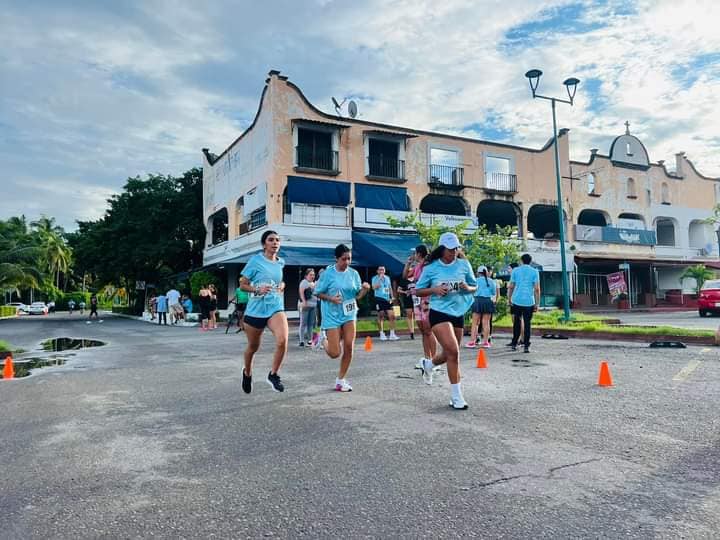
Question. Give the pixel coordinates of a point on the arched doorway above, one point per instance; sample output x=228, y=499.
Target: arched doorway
x=542, y=221
x=443, y=204
x=496, y=213
x=593, y=218
x=665, y=231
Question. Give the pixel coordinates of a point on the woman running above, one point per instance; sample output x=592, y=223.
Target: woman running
x=339, y=289
x=263, y=278
x=449, y=281
x=421, y=306
x=483, y=308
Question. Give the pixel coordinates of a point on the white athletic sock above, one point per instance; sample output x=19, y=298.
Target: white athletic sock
x=456, y=391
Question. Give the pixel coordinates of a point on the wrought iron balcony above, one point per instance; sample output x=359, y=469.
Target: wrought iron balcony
x=315, y=158
x=446, y=176
x=500, y=182
x=383, y=167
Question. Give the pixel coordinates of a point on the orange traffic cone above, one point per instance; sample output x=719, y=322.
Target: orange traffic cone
x=605, y=379
x=368, y=344
x=481, y=360
x=8, y=371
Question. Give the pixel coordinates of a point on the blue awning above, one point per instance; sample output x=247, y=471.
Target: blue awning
x=384, y=249
x=314, y=191
x=381, y=197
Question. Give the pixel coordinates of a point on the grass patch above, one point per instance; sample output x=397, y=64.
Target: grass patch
x=5, y=346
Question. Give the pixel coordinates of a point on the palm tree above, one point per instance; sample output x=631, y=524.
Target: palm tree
x=57, y=254
x=699, y=273
x=18, y=264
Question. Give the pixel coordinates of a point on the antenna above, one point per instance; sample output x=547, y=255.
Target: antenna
x=337, y=105
x=352, y=109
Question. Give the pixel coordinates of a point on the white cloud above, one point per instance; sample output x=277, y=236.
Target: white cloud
x=106, y=91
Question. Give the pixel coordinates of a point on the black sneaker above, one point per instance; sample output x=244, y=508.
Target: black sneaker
x=526, y=349
x=301, y=344
x=513, y=348
x=273, y=379
x=412, y=335
x=246, y=382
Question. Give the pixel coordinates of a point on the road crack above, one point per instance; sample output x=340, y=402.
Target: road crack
x=550, y=475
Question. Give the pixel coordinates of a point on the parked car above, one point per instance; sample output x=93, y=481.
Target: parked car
x=38, y=308
x=19, y=307
x=709, y=299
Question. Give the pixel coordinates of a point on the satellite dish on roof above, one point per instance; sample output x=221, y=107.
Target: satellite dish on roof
x=352, y=109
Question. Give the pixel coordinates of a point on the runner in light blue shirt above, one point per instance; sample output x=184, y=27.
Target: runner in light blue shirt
x=263, y=277
x=339, y=289
x=262, y=272
x=382, y=286
x=449, y=280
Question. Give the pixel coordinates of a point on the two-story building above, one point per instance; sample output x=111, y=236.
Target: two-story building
x=319, y=180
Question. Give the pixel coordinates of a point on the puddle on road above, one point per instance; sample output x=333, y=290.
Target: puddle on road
x=23, y=367
x=69, y=344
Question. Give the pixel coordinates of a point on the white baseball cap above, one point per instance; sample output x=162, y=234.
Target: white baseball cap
x=482, y=268
x=449, y=240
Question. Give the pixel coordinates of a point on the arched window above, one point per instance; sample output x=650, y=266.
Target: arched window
x=631, y=188
x=591, y=184
x=665, y=231
x=665, y=193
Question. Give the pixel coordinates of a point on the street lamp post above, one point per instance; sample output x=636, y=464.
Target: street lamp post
x=571, y=86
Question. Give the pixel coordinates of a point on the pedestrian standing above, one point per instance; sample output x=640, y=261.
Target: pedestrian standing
x=93, y=306
x=213, y=306
x=414, y=267
x=204, y=301
x=524, y=297
x=174, y=307
x=263, y=278
x=483, y=308
x=162, y=307
x=308, y=306
x=241, y=300
x=339, y=290
x=383, y=302
x=403, y=292
x=449, y=281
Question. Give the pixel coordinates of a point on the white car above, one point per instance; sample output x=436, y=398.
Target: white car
x=38, y=308
x=19, y=307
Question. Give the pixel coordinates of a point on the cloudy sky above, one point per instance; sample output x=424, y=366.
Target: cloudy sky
x=92, y=92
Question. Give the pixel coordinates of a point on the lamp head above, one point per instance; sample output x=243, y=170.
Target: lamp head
x=534, y=79
x=571, y=86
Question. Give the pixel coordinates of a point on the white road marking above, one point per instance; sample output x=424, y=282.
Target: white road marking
x=685, y=372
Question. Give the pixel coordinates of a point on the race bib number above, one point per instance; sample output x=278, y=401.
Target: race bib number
x=453, y=286
x=416, y=301
x=349, y=307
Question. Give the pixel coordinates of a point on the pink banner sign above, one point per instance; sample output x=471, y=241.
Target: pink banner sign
x=616, y=284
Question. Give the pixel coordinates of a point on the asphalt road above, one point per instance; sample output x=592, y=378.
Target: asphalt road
x=150, y=436
x=682, y=319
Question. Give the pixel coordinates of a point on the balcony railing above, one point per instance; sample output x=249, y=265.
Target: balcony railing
x=501, y=182
x=380, y=166
x=257, y=219
x=446, y=176
x=315, y=158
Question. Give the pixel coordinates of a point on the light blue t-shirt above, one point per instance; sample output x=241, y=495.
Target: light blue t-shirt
x=383, y=291
x=262, y=271
x=161, y=306
x=524, y=277
x=457, y=301
x=331, y=282
x=486, y=290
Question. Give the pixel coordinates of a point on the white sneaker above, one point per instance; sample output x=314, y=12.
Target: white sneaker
x=341, y=385
x=458, y=403
x=383, y=337
x=419, y=364
x=427, y=371
x=393, y=337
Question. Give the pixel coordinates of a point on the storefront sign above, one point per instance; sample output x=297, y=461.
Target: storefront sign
x=616, y=284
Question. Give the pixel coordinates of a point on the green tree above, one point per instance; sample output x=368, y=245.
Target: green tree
x=56, y=254
x=699, y=273
x=19, y=256
x=482, y=247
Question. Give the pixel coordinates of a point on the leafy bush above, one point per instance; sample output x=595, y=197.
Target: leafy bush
x=200, y=279
x=7, y=311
